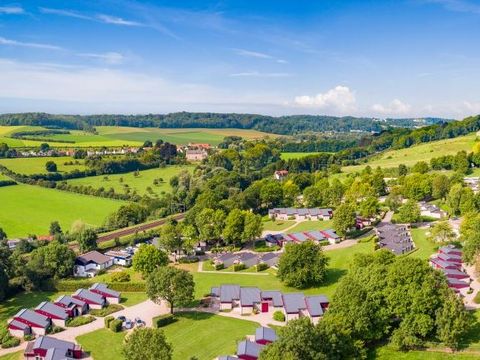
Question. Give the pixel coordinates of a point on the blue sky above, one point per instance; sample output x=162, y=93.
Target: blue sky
x=381, y=58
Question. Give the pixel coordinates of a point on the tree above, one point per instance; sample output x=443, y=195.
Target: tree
x=148, y=258
x=147, y=144
x=402, y=170
x=440, y=186
x=302, y=265
x=210, y=224
x=3, y=284
x=55, y=259
x=344, y=219
x=290, y=193
x=87, y=240
x=452, y=320
x=175, y=286
x=50, y=166
x=170, y=237
x=147, y=344
x=420, y=167
x=234, y=224
x=369, y=206
x=3, y=234
x=460, y=200
x=409, y=213
x=252, y=227
x=55, y=228
x=44, y=147
x=442, y=233
x=271, y=194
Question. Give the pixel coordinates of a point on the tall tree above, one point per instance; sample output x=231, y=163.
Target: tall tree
x=147, y=344
x=148, y=258
x=55, y=228
x=252, y=227
x=234, y=224
x=344, y=219
x=87, y=240
x=55, y=259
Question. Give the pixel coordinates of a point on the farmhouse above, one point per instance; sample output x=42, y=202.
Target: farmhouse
x=57, y=314
x=264, y=335
x=93, y=300
x=49, y=348
x=113, y=297
x=87, y=265
x=395, y=238
x=121, y=258
x=300, y=214
x=37, y=323
x=195, y=155
x=72, y=306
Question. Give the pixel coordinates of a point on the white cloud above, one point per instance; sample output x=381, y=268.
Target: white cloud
x=11, y=10
x=396, y=107
x=259, y=74
x=255, y=54
x=108, y=19
x=67, y=13
x=340, y=98
x=9, y=42
x=112, y=58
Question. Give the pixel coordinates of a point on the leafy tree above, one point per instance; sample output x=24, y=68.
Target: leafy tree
x=252, y=227
x=271, y=194
x=210, y=224
x=175, y=286
x=442, y=232
x=460, y=200
x=420, y=167
x=409, y=213
x=3, y=234
x=87, y=240
x=148, y=258
x=344, y=219
x=55, y=259
x=369, y=206
x=147, y=344
x=290, y=193
x=55, y=228
x=452, y=320
x=302, y=265
x=44, y=147
x=234, y=224
x=3, y=284
x=147, y=144
x=470, y=236
x=50, y=166
x=170, y=237
x=402, y=170
x=440, y=186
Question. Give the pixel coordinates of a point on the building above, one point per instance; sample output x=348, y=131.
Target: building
x=314, y=235
x=89, y=264
x=113, y=297
x=298, y=305
x=121, y=258
x=395, y=238
x=72, y=306
x=473, y=183
x=280, y=174
x=431, y=210
x=271, y=300
x=248, y=350
x=50, y=348
x=264, y=335
x=199, y=146
x=448, y=260
x=450, y=250
x=455, y=274
x=227, y=259
x=249, y=299
x=93, y=300
x=57, y=314
x=195, y=155
x=27, y=321
x=300, y=214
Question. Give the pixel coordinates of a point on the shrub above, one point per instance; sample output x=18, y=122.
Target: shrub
x=108, y=320
x=121, y=276
x=116, y=325
x=56, y=329
x=74, y=285
x=324, y=243
x=29, y=337
x=11, y=342
x=110, y=309
x=278, y=316
x=189, y=260
x=218, y=266
x=80, y=320
x=163, y=320
x=238, y=267
x=262, y=267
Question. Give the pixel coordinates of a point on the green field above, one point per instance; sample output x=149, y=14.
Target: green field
x=27, y=209
x=422, y=152
x=138, y=183
x=36, y=165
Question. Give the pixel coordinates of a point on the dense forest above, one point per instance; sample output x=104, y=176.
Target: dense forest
x=284, y=125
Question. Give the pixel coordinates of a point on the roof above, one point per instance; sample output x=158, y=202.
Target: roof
x=249, y=296
x=18, y=324
x=249, y=348
x=270, y=258
x=450, y=249
x=215, y=291
x=453, y=281
x=314, y=304
x=394, y=237
x=33, y=317
x=293, y=303
x=229, y=293
x=315, y=235
x=248, y=259
x=89, y=295
x=299, y=236
x=264, y=333
x=444, y=264
x=454, y=272
x=104, y=289
x=275, y=295
x=92, y=257
x=330, y=234
x=56, y=354
x=48, y=342
x=68, y=301
x=52, y=309
x=118, y=254
x=227, y=357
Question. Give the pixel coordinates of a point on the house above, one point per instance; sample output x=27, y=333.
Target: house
x=72, y=306
x=121, y=258
x=331, y=236
x=293, y=305
x=473, y=183
x=57, y=314
x=249, y=299
x=315, y=235
x=361, y=222
x=50, y=348
x=273, y=240
x=229, y=296
x=271, y=299
x=248, y=350
x=457, y=284
x=395, y=238
x=264, y=335
x=280, y=174
x=455, y=274
x=437, y=263
x=87, y=265
x=113, y=297
x=271, y=259
x=45, y=237
x=227, y=259
x=450, y=250
x=199, y=146
x=93, y=300
x=37, y=323
x=316, y=306
x=19, y=329
x=300, y=214
x=195, y=155
x=431, y=210
x=450, y=257
x=248, y=259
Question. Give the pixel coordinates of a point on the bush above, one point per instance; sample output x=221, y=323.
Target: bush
x=80, y=320
x=189, y=260
x=11, y=342
x=108, y=320
x=116, y=325
x=218, y=266
x=110, y=309
x=121, y=276
x=29, y=337
x=163, y=320
x=278, y=316
x=74, y=285
x=56, y=329
x=262, y=267
x=324, y=243
x=239, y=267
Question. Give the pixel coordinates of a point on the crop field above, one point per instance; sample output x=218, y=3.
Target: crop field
x=139, y=183
x=36, y=165
x=28, y=209
x=422, y=152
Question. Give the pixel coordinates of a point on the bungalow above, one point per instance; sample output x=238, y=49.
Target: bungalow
x=280, y=174
x=264, y=335
x=271, y=299
x=50, y=348
x=301, y=213
x=19, y=329
x=57, y=314
x=361, y=222
x=248, y=259
x=450, y=250
x=229, y=296
x=331, y=236
x=315, y=235
x=293, y=305
x=450, y=258
x=457, y=284
x=38, y=323
x=249, y=299
x=248, y=350
x=196, y=155
x=113, y=297
x=93, y=300
x=455, y=274
x=121, y=258
x=431, y=210
x=87, y=265
x=437, y=263
x=316, y=306
x=72, y=306
x=271, y=259
x=273, y=240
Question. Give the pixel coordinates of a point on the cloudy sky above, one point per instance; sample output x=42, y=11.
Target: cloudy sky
x=388, y=58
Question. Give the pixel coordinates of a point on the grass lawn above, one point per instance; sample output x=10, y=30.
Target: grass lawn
x=13, y=356
x=103, y=344
x=135, y=183
x=28, y=209
x=312, y=225
x=30, y=166
x=277, y=225
x=425, y=247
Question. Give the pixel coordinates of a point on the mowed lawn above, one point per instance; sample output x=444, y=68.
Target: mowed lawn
x=277, y=225
x=425, y=247
x=138, y=183
x=312, y=225
x=27, y=209
x=36, y=165
x=13, y=356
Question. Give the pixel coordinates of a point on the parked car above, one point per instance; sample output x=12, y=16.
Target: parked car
x=128, y=324
x=122, y=318
x=139, y=322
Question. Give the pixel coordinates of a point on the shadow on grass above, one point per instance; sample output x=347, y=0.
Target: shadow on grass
x=333, y=276
x=473, y=335
x=193, y=315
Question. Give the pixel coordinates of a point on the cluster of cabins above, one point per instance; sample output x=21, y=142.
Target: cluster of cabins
x=246, y=258
x=300, y=214
x=89, y=264
x=251, y=299
x=473, y=183
x=50, y=348
x=314, y=235
x=395, y=238
x=250, y=348
x=39, y=320
x=448, y=259
x=431, y=210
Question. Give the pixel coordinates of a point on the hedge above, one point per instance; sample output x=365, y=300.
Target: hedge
x=262, y=266
x=80, y=320
x=163, y=320
x=238, y=267
x=116, y=325
x=188, y=260
x=278, y=316
x=219, y=266
x=74, y=285
x=121, y=276
x=110, y=309
x=7, y=183
x=107, y=321
x=11, y=342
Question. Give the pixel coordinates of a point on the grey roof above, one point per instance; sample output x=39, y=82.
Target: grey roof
x=228, y=293
x=330, y=233
x=52, y=309
x=449, y=257
x=394, y=237
x=314, y=304
x=227, y=357
x=264, y=333
x=33, y=317
x=315, y=235
x=89, y=295
x=450, y=249
x=248, y=348
x=299, y=236
x=104, y=289
x=249, y=296
x=227, y=259
x=118, y=254
x=92, y=257
x=293, y=303
x=302, y=211
x=454, y=272
x=57, y=354
x=453, y=281
x=69, y=301
x=275, y=295
x=444, y=264
x=19, y=324
x=48, y=342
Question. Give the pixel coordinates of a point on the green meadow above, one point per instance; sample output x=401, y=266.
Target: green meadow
x=36, y=165
x=30, y=209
